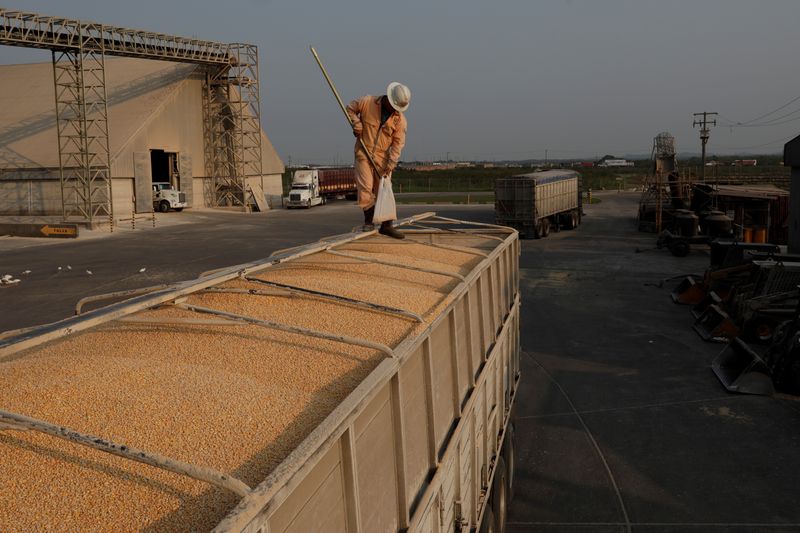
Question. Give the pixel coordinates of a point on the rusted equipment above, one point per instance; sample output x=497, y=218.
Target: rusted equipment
x=712, y=298
x=715, y=325
x=688, y=292
x=740, y=369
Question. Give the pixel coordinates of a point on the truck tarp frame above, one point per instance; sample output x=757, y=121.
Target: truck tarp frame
x=153, y=297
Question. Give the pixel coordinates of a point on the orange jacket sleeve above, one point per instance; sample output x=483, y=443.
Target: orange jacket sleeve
x=354, y=110
x=396, y=148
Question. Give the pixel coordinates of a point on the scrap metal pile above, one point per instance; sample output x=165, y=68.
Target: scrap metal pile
x=749, y=297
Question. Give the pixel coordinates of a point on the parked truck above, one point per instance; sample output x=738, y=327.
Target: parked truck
x=354, y=384
x=166, y=197
x=533, y=203
x=312, y=187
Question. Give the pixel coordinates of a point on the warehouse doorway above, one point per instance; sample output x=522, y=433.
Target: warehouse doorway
x=164, y=168
x=159, y=166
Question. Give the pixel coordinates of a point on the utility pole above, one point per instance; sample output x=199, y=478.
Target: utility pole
x=704, y=135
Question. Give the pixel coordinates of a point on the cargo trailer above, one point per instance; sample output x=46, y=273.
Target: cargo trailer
x=312, y=187
x=355, y=384
x=533, y=203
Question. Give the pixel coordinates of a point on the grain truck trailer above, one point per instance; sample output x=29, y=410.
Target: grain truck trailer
x=354, y=384
x=312, y=187
x=533, y=203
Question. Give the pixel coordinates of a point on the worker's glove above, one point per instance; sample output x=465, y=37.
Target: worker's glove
x=357, y=129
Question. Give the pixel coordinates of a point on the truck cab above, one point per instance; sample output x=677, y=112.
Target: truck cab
x=305, y=190
x=166, y=197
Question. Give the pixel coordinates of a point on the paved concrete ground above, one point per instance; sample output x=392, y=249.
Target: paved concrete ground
x=621, y=425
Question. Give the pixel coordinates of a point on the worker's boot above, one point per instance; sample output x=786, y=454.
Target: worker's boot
x=388, y=230
x=368, y=225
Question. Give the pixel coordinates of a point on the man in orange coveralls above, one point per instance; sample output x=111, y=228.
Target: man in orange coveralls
x=379, y=122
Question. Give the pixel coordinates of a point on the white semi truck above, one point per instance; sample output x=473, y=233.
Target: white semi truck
x=166, y=197
x=312, y=187
x=356, y=384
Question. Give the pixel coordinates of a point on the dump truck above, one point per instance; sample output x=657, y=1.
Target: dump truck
x=533, y=203
x=312, y=187
x=358, y=383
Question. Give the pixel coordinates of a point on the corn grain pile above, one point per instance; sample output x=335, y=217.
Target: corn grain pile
x=236, y=398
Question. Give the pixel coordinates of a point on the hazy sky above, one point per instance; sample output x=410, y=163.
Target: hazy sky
x=504, y=79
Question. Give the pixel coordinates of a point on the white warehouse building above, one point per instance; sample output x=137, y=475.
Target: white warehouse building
x=155, y=110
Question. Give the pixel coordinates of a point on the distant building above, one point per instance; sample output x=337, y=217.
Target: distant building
x=615, y=163
x=428, y=167
x=155, y=115
x=745, y=163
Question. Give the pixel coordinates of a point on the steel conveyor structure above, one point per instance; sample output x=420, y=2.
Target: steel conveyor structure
x=230, y=97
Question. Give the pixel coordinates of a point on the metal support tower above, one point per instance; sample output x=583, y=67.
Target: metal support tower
x=231, y=97
x=82, y=126
x=705, y=133
x=233, y=112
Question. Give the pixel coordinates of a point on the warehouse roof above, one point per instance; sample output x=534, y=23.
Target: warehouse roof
x=136, y=91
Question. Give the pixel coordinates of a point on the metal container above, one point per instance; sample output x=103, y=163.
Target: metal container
x=685, y=223
x=717, y=224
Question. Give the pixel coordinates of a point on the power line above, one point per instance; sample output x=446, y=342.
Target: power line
x=768, y=124
x=787, y=104
x=736, y=123
x=782, y=140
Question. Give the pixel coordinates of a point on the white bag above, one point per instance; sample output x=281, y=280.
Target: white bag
x=385, y=208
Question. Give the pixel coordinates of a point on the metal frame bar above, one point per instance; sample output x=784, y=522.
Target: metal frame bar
x=177, y=321
x=32, y=30
x=117, y=294
x=291, y=289
x=14, y=421
x=455, y=231
x=289, y=329
x=462, y=249
x=395, y=264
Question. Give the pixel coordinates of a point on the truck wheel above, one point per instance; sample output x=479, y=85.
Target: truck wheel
x=163, y=206
x=571, y=220
x=545, y=227
x=509, y=456
x=500, y=494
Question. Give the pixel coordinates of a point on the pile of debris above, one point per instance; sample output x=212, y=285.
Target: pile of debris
x=8, y=279
x=749, y=297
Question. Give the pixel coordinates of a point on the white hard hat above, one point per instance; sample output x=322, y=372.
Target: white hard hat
x=399, y=96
